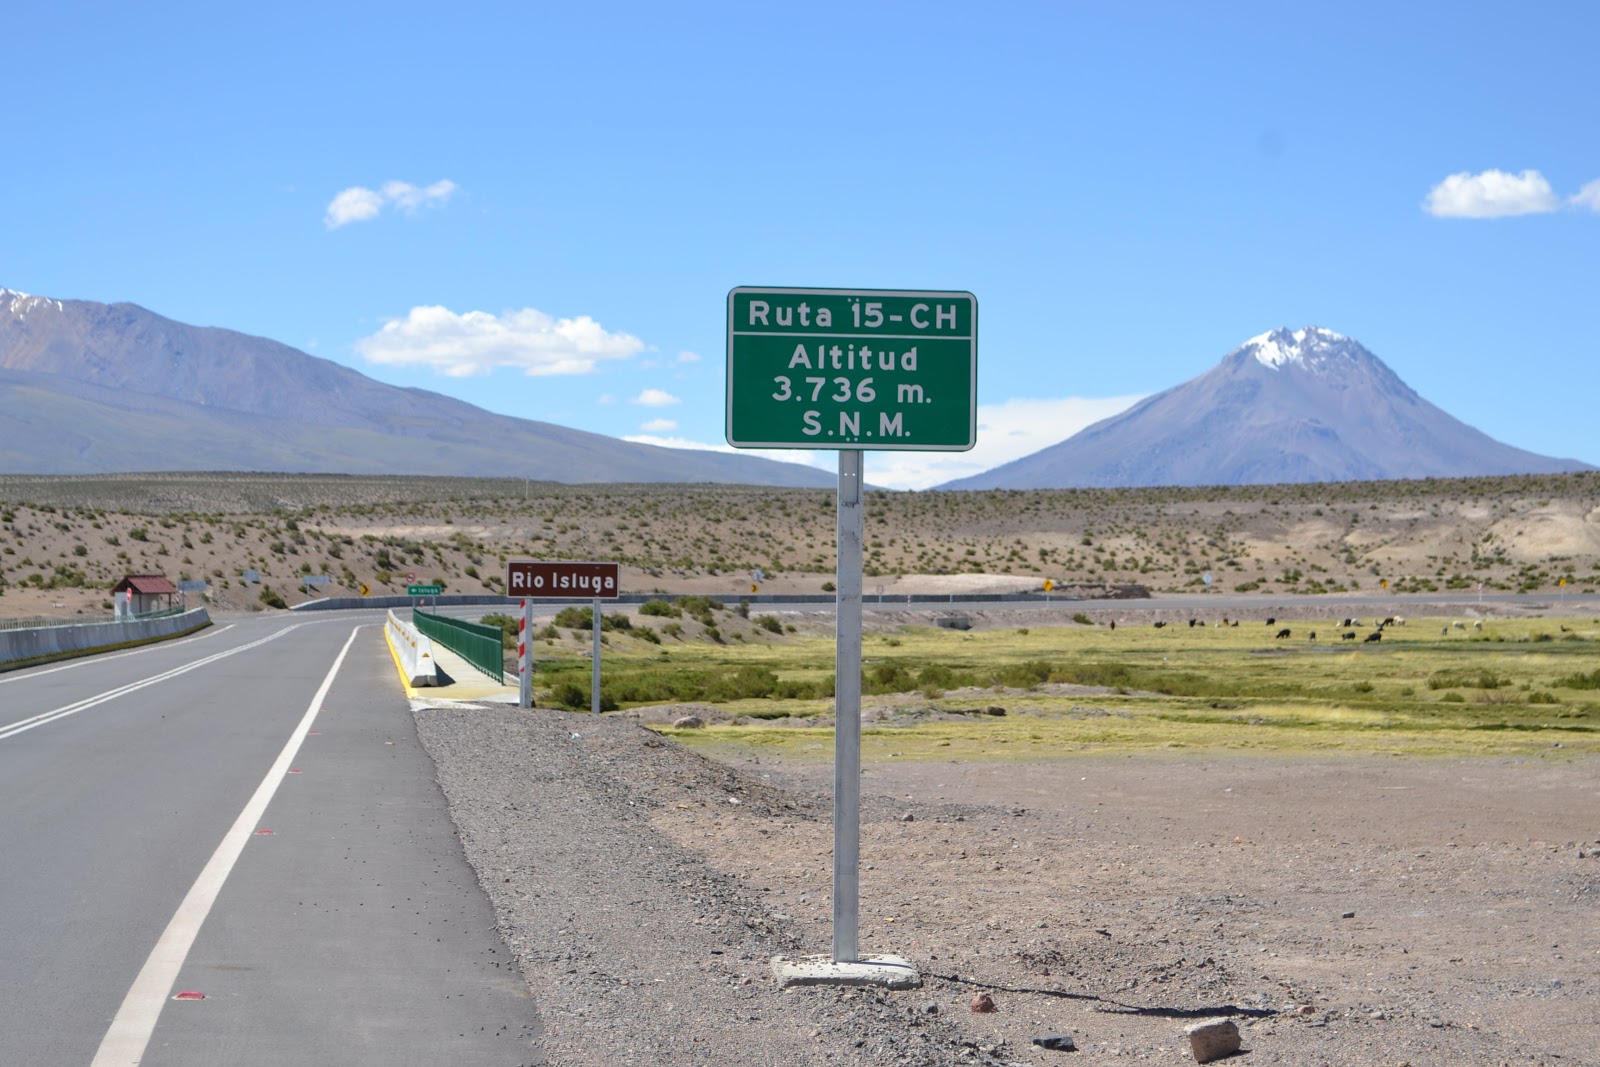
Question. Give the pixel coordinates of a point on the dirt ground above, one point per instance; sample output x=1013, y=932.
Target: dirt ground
x=1356, y=911
x=1344, y=912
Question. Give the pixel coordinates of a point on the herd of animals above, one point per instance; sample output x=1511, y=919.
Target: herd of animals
x=1347, y=628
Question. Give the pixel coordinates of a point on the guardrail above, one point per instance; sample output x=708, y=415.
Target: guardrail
x=40, y=622
x=37, y=645
x=480, y=645
x=415, y=652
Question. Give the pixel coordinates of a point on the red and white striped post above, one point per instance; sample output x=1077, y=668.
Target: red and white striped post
x=525, y=656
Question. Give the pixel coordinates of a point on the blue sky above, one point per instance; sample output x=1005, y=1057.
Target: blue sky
x=540, y=208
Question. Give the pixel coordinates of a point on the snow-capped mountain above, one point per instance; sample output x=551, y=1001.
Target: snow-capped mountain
x=88, y=388
x=1306, y=405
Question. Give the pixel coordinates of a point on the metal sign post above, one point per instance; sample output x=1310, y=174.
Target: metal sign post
x=525, y=656
x=850, y=370
x=847, y=717
x=534, y=579
x=594, y=670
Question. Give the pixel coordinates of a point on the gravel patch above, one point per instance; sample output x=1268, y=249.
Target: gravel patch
x=1341, y=912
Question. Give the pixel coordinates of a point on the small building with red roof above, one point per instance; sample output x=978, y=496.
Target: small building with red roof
x=140, y=594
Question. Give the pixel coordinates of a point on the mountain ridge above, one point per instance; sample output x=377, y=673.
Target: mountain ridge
x=1308, y=405
x=92, y=385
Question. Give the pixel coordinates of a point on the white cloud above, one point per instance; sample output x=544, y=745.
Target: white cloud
x=694, y=357
x=655, y=398
x=352, y=205
x=477, y=342
x=1490, y=195
x=1589, y=196
x=659, y=426
x=606, y=398
x=358, y=203
x=804, y=457
x=1006, y=431
x=408, y=197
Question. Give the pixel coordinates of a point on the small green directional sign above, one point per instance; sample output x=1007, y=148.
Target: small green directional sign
x=424, y=590
x=870, y=369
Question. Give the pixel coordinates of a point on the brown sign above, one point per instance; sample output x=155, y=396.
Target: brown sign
x=563, y=578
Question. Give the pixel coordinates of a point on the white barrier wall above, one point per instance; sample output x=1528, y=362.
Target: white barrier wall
x=90, y=636
x=415, y=652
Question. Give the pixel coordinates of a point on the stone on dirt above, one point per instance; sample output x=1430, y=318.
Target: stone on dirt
x=1057, y=1043
x=689, y=722
x=1212, y=1039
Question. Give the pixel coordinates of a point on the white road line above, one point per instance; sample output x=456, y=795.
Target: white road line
x=46, y=717
x=89, y=661
x=125, y=1042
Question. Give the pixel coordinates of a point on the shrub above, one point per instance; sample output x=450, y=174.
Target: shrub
x=1464, y=680
x=509, y=627
x=828, y=587
x=1081, y=619
x=672, y=629
x=575, y=618
x=769, y=623
x=271, y=598
x=1580, y=680
x=663, y=608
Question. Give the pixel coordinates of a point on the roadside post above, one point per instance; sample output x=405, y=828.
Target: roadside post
x=852, y=370
x=525, y=656
x=533, y=579
x=594, y=668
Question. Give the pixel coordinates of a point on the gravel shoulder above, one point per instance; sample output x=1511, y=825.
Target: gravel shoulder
x=1341, y=911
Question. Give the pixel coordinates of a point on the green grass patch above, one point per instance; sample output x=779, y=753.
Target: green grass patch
x=1069, y=690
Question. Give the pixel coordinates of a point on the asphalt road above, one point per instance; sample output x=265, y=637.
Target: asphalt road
x=1238, y=605
x=135, y=787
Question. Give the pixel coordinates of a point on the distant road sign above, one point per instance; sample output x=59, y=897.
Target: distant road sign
x=253, y=577
x=365, y=589
x=424, y=590
x=563, y=578
x=411, y=576
x=879, y=369
x=314, y=579
x=196, y=585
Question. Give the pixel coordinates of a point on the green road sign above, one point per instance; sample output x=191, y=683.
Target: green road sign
x=424, y=590
x=876, y=369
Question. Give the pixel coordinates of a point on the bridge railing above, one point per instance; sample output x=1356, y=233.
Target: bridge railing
x=479, y=645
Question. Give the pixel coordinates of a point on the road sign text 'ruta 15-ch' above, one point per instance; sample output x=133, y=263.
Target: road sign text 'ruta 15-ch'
x=874, y=369
x=562, y=578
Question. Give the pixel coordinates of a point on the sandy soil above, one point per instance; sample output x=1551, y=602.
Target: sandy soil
x=1357, y=911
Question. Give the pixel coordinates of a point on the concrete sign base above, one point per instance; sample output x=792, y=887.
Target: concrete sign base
x=890, y=972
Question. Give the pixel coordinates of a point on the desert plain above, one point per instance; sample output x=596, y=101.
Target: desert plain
x=1361, y=852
